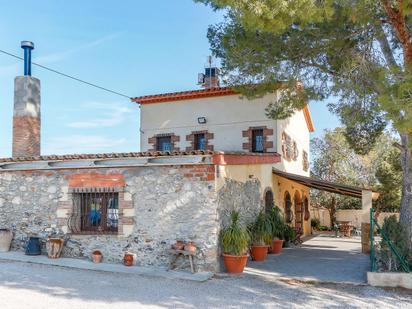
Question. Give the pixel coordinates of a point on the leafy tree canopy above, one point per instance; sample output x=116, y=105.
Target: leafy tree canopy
x=353, y=49
x=334, y=160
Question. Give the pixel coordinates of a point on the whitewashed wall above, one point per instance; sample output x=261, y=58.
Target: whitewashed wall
x=227, y=117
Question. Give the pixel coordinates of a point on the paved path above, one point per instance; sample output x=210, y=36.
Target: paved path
x=34, y=286
x=322, y=258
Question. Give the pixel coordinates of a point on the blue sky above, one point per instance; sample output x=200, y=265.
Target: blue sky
x=134, y=47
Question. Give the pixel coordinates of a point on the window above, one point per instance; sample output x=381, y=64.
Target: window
x=164, y=143
x=257, y=140
x=305, y=161
x=288, y=208
x=95, y=211
x=199, y=141
x=269, y=203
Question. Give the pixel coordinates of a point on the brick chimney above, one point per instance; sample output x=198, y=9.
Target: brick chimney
x=26, y=115
x=210, y=79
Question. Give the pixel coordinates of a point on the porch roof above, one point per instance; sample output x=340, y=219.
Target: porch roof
x=325, y=185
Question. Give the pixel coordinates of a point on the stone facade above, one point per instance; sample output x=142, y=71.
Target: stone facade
x=158, y=205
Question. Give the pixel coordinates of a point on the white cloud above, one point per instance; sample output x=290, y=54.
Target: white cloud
x=81, y=144
x=111, y=115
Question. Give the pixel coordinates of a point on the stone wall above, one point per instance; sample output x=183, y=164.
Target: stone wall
x=244, y=197
x=158, y=205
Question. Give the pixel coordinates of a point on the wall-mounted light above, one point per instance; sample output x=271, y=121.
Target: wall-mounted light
x=201, y=120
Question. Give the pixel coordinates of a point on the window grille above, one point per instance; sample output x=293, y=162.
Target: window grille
x=95, y=211
x=199, y=141
x=257, y=140
x=164, y=143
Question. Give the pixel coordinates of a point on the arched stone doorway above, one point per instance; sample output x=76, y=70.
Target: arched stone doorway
x=298, y=211
x=288, y=208
x=269, y=201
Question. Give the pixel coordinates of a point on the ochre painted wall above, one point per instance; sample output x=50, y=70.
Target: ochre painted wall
x=263, y=173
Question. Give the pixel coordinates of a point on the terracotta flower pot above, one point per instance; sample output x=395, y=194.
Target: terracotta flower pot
x=179, y=245
x=5, y=239
x=190, y=247
x=259, y=252
x=54, y=247
x=97, y=257
x=128, y=259
x=277, y=246
x=235, y=264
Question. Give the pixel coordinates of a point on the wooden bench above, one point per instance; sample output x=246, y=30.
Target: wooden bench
x=184, y=253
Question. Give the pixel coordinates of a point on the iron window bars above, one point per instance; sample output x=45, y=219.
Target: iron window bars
x=95, y=211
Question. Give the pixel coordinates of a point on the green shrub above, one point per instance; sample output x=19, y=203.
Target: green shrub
x=235, y=239
x=315, y=223
x=290, y=233
x=277, y=223
x=261, y=230
x=397, y=234
x=323, y=228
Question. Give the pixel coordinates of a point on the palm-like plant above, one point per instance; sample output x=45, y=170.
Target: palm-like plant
x=277, y=222
x=235, y=239
x=261, y=230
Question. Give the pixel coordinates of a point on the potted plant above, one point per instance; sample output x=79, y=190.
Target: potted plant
x=290, y=235
x=6, y=236
x=261, y=234
x=97, y=256
x=278, y=229
x=235, y=242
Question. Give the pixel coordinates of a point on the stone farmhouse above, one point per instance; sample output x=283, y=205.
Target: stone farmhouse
x=204, y=152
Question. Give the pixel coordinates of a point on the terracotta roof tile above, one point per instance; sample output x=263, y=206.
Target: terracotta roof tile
x=184, y=95
x=106, y=156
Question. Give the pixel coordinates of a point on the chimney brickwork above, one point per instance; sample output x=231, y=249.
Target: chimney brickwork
x=26, y=117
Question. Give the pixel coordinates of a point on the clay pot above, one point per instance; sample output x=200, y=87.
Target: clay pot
x=5, y=239
x=179, y=245
x=128, y=259
x=190, y=247
x=54, y=247
x=259, y=253
x=97, y=256
x=277, y=246
x=235, y=264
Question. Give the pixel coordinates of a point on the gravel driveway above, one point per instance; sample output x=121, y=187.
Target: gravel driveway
x=34, y=286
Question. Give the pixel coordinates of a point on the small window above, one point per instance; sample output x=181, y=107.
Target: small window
x=257, y=140
x=95, y=211
x=164, y=143
x=199, y=141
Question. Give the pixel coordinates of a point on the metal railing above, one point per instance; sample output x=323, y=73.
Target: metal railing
x=95, y=211
x=374, y=223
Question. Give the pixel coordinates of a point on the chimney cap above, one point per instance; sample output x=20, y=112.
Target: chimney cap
x=27, y=44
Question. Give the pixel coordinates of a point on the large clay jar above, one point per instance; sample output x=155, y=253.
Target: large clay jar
x=54, y=247
x=128, y=259
x=190, y=247
x=5, y=239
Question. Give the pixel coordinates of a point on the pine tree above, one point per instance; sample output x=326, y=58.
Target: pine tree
x=357, y=50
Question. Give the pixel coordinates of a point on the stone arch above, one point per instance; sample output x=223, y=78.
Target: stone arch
x=269, y=200
x=288, y=207
x=298, y=205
